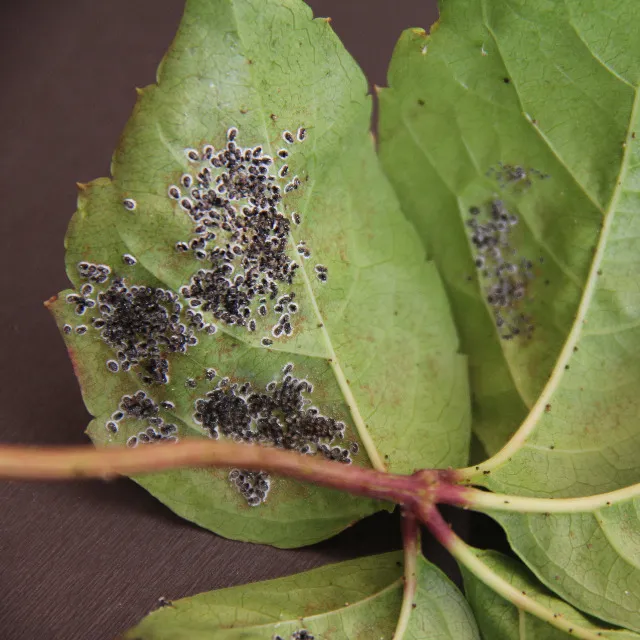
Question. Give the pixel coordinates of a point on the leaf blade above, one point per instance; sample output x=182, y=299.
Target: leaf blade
x=352, y=599
x=591, y=559
x=481, y=77
x=501, y=620
x=501, y=78
x=375, y=340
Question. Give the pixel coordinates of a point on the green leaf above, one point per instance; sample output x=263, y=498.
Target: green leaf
x=592, y=558
x=352, y=600
x=550, y=88
x=374, y=338
x=532, y=109
x=499, y=619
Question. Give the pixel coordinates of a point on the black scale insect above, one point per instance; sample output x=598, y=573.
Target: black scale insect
x=515, y=175
x=300, y=634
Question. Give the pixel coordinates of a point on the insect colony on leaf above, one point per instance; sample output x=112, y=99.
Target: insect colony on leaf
x=234, y=201
x=233, y=198
x=281, y=415
x=506, y=274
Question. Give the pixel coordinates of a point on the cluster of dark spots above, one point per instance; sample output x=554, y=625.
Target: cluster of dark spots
x=253, y=485
x=196, y=320
x=506, y=276
x=241, y=234
x=81, y=329
x=129, y=260
x=82, y=300
x=300, y=634
x=139, y=406
x=293, y=185
x=96, y=273
x=285, y=303
x=283, y=326
x=515, y=174
x=280, y=415
x=67, y=329
x=303, y=250
x=322, y=273
x=129, y=204
x=142, y=325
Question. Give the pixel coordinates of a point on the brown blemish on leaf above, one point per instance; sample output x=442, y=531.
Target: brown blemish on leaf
x=74, y=364
x=50, y=302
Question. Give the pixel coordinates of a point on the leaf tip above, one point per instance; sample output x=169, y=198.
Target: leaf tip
x=50, y=302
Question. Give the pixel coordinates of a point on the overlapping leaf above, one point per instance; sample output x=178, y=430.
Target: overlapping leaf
x=546, y=89
x=499, y=619
x=592, y=559
x=374, y=338
x=354, y=600
x=530, y=110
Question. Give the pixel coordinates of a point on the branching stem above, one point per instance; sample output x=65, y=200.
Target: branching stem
x=411, y=544
x=419, y=493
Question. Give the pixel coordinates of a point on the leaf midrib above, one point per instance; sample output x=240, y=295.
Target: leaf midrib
x=361, y=427
x=528, y=425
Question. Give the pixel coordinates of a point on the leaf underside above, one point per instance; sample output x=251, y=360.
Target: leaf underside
x=371, y=330
x=512, y=127
x=499, y=619
x=354, y=600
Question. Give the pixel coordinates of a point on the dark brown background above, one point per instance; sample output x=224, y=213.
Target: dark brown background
x=87, y=560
